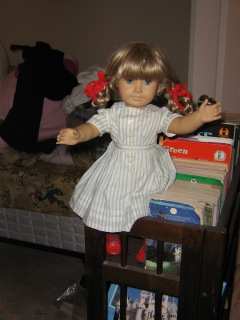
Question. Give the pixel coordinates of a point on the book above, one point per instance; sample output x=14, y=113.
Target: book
x=201, y=164
x=219, y=129
x=173, y=210
x=140, y=304
x=205, y=179
x=182, y=148
x=207, y=139
x=171, y=265
x=228, y=129
x=202, y=176
x=205, y=206
x=191, y=198
x=172, y=253
x=211, y=171
x=208, y=194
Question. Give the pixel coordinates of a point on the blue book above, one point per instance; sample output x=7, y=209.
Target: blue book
x=172, y=210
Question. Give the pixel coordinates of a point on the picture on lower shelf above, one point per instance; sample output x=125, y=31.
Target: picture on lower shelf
x=140, y=305
x=172, y=253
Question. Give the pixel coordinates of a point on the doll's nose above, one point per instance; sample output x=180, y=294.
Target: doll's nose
x=138, y=86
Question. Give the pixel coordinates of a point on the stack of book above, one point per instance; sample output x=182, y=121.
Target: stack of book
x=204, y=162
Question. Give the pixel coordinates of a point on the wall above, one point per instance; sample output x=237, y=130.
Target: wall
x=214, y=51
x=92, y=29
x=228, y=84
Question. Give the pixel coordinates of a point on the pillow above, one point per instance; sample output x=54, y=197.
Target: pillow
x=60, y=155
x=4, y=63
x=53, y=118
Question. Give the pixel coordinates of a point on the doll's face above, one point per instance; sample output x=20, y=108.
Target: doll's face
x=137, y=93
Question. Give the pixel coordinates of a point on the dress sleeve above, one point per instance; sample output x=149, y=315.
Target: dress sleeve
x=166, y=118
x=101, y=120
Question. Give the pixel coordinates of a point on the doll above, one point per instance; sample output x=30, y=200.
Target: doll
x=115, y=190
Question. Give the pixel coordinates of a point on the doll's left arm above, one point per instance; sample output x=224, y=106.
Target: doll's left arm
x=192, y=121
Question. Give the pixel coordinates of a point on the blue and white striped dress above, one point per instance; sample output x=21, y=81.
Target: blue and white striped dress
x=115, y=190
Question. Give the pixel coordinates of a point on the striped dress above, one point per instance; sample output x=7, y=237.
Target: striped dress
x=115, y=190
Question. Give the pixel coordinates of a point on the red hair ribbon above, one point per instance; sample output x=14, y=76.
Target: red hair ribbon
x=179, y=90
x=94, y=87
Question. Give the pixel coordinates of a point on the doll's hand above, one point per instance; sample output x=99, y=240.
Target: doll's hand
x=208, y=113
x=68, y=136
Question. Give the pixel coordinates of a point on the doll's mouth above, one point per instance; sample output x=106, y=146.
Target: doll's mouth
x=137, y=98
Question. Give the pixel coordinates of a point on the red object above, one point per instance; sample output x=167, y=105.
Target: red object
x=141, y=255
x=179, y=90
x=96, y=86
x=183, y=148
x=113, y=243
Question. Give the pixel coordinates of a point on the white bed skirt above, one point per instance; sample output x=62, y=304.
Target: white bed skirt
x=53, y=231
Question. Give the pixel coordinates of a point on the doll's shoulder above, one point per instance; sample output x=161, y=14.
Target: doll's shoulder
x=159, y=110
x=117, y=108
x=111, y=112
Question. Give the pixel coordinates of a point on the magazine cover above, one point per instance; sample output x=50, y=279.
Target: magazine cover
x=172, y=210
x=211, y=151
x=219, y=129
x=206, y=206
x=172, y=253
x=140, y=305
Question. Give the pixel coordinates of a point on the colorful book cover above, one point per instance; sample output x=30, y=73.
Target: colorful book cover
x=171, y=264
x=140, y=304
x=181, y=148
x=172, y=253
x=175, y=211
x=219, y=129
x=229, y=129
x=114, y=302
x=204, y=205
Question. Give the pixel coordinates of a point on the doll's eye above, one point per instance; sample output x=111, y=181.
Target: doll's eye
x=148, y=82
x=129, y=81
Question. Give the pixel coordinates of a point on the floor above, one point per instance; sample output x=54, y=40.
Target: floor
x=33, y=284
x=43, y=285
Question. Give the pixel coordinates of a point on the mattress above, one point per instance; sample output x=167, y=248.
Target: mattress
x=34, y=200
x=37, y=186
x=43, y=229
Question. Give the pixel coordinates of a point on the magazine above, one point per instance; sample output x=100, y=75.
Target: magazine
x=140, y=305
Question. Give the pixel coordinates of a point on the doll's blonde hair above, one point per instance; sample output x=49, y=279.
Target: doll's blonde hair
x=136, y=60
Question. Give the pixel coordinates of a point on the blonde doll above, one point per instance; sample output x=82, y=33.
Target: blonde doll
x=115, y=191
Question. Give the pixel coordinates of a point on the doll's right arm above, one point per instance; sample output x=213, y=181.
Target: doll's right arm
x=81, y=133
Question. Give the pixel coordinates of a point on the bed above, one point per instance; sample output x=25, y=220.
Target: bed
x=35, y=187
x=34, y=198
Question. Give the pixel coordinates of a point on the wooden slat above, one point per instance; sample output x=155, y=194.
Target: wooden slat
x=191, y=264
x=96, y=286
x=141, y=278
x=230, y=200
x=211, y=274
